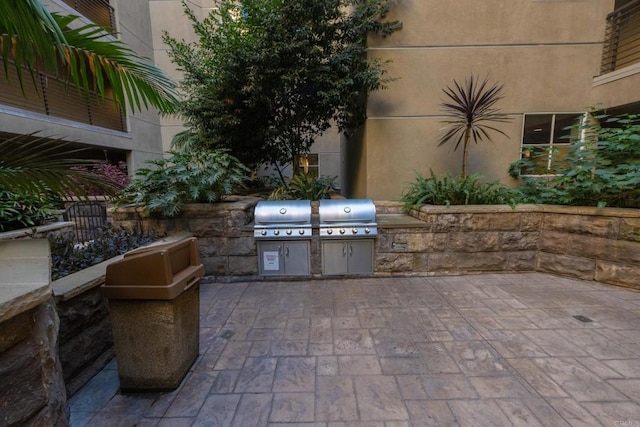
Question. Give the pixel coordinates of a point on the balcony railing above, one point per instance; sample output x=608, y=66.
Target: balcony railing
x=622, y=38
x=98, y=11
x=54, y=97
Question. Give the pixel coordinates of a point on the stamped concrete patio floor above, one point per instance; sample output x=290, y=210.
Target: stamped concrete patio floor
x=480, y=350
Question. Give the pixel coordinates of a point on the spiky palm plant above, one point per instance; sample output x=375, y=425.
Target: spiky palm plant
x=469, y=108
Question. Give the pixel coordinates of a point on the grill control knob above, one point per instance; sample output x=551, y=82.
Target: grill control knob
x=354, y=230
x=288, y=232
x=276, y=232
x=342, y=231
x=329, y=231
x=367, y=230
x=263, y=232
x=301, y=231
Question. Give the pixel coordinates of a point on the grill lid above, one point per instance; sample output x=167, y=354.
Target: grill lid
x=282, y=219
x=352, y=217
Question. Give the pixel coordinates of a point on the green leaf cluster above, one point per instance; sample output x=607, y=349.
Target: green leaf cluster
x=456, y=190
x=601, y=170
x=21, y=210
x=185, y=177
x=304, y=186
x=265, y=78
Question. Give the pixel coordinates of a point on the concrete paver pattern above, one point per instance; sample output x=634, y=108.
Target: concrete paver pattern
x=477, y=350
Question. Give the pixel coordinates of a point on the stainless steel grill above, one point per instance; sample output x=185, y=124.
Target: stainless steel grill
x=282, y=219
x=348, y=218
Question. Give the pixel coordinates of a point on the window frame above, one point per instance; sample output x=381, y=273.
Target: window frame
x=552, y=139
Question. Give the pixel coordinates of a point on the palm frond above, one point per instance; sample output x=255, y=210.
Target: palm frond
x=36, y=164
x=34, y=39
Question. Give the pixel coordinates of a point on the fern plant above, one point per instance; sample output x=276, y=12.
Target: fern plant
x=458, y=190
x=200, y=177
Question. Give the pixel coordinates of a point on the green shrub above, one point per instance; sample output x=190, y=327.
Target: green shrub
x=199, y=177
x=20, y=210
x=304, y=186
x=600, y=171
x=68, y=257
x=456, y=190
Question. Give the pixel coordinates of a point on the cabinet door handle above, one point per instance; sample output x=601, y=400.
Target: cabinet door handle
x=344, y=249
x=286, y=248
x=280, y=250
x=351, y=249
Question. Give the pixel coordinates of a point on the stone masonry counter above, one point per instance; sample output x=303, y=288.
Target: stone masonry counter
x=32, y=389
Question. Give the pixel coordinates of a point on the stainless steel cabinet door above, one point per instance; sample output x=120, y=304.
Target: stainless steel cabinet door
x=360, y=256
x=270, y=258
x=296, y=258
x=335, y=257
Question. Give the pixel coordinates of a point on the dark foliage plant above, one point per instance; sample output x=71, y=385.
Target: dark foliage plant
x=456, y=190
x=469, y=110
x=69, y=257
x=601, y=170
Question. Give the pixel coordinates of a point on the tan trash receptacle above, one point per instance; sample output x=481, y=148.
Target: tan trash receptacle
x=154, y=301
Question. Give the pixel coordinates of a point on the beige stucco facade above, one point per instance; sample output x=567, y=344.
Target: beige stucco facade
x=547, y=54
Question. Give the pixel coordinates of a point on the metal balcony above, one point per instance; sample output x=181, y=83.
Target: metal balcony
x=622, y=38
x=98, y=11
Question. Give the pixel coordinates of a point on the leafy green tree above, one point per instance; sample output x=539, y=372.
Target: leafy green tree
x=265, y=78
x=470, y=107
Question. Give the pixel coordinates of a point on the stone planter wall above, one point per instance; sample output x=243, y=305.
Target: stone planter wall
x=591, y=243
x=224, y=231
x=588, y=243
x=459, y=240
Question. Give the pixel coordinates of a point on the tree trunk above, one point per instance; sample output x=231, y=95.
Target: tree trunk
x=465, y=151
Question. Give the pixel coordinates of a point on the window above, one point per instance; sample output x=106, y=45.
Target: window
x=307, y=163
x=546, y=139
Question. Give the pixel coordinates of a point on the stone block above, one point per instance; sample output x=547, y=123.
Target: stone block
x=386, y=262
x=21, y=390
x=519, y=241
x=582, y=224
x=618, y=274
x=522, y=261
x=156, y=341
x=566, y=265
x=444, y=261
x=530, y=221
x=482, y=261
x=630, y=229
x=419, y=242
x=554, y=242
x=243, y=265
x=501, y=221
x=473, y=242
x=214, y=265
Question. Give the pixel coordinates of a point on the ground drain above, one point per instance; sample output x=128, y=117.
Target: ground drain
x=583, y=319
x=226, y=334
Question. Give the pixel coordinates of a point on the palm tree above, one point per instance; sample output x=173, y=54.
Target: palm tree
x=471, y=106
x=34, y=40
